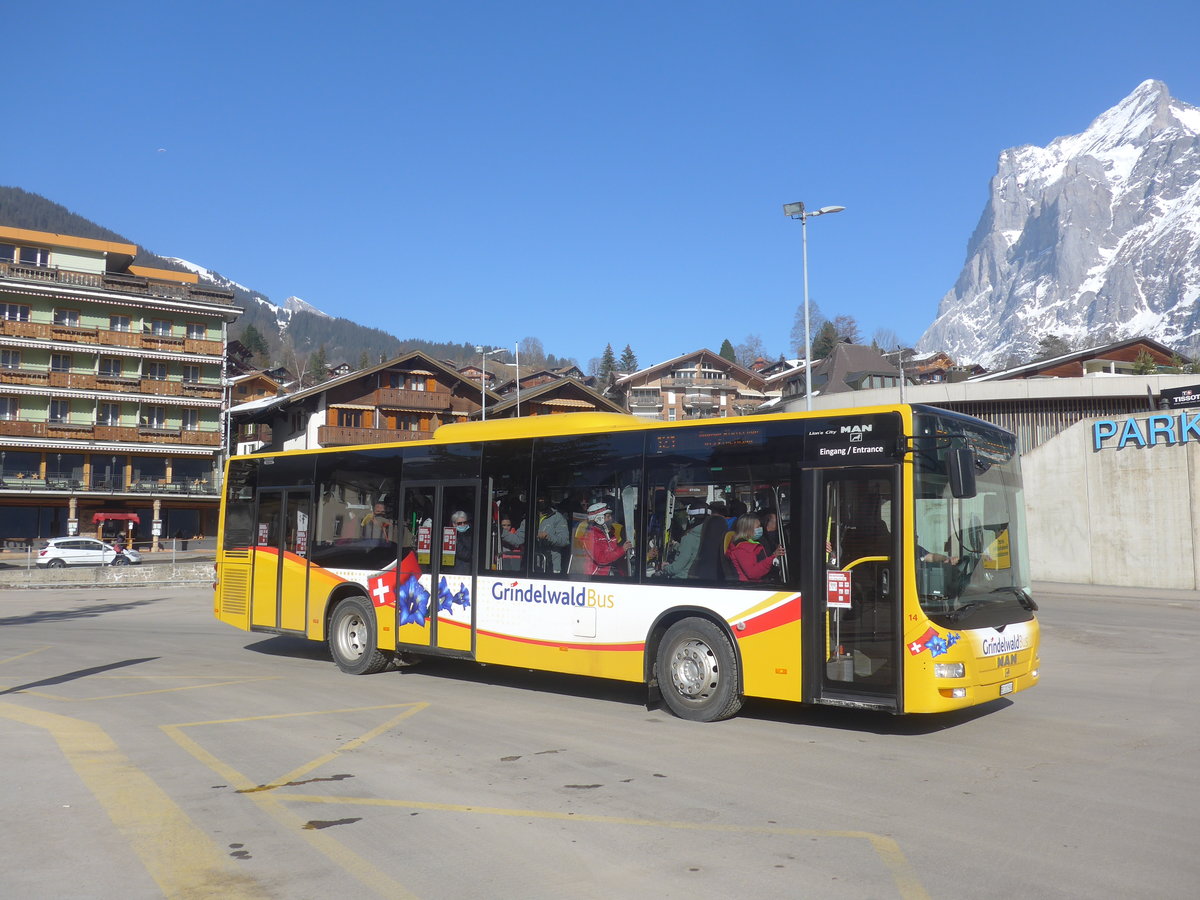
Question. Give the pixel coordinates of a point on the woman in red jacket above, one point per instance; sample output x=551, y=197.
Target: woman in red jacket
x=750, y=560
x=601, y=543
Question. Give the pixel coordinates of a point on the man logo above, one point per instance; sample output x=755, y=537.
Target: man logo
x=858, y=430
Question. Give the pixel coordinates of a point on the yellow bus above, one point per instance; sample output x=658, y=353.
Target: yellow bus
x=872, y=558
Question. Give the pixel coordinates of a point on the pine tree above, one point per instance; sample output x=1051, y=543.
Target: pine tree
x=608, y=363
x=364, y=360
x=825, y=340
x=316, y=371
x=727, y=351
x=253, y=341
x=629, y=360
x=1144, y=363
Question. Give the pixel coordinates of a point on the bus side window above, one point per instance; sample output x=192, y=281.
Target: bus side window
x=506, y=472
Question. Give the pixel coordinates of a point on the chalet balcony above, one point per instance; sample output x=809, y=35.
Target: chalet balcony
x=119, y=434
x=111, y=281
x=104, y=337
x=77, y=484
x=342, y=436
x=433, y=401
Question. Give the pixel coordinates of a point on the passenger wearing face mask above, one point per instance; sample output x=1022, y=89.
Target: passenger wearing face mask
x=749, y=558
x=464, y=538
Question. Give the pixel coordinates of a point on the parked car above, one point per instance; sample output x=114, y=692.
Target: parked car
x=83, y=551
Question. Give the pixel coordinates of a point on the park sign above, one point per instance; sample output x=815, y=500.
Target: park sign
x=1150, y=431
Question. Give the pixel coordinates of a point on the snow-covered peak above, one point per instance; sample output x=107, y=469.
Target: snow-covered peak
x=295, y=305
x=209, y=275
x=1096, y=234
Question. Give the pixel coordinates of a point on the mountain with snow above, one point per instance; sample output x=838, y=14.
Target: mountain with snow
x=1093, y=238
x=282, y=315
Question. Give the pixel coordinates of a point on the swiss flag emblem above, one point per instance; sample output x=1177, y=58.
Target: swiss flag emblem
x=383, y=588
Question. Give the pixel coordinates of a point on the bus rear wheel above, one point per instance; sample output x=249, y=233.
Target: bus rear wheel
x=697, y=671
x=352, y=638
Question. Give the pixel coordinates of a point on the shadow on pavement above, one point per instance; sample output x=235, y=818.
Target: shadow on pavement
x=76, y=675
x=98, y=608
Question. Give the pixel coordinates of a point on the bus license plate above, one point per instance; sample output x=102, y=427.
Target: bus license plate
x=1006, y=688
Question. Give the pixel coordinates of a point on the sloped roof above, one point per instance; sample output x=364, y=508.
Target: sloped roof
x=703, y=355
x=847, y=363
x=1081, y=356
x=556, y=390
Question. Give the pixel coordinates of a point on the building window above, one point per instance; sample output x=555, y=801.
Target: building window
x=60, y=362
x=8, y=253
x=160, y=327
x=191, y=374
x=415, y=382
x=350, y=418
x=196, y=331
x=118, y=323
x=68, y=317
x=156, y=371
x=191, y=420
x=154, y=417
x=14, y=312
x=35, y=256
x=10, y=359
x=10, y=409
x=109, y=414
x=60, y=410
x=110, y=366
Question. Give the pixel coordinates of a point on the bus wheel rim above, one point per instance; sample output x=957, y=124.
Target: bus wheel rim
x=694, y=670
x=350, y=637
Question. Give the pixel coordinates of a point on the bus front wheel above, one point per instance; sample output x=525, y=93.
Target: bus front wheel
x=352, y=638
x=697, y=671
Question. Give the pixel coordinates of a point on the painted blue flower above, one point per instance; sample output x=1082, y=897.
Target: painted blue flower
x=937, y=645
x=463, y=597
x=952, y=639
x=413, y=602
x=445, y=598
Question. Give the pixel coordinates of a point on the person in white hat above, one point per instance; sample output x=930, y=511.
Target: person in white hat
x=601, y=545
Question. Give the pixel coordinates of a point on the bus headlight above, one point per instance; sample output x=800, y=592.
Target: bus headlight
x=949, y=670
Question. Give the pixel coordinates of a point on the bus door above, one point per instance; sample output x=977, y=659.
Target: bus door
x=852, y=628
x=436, y=607
x=281, y=547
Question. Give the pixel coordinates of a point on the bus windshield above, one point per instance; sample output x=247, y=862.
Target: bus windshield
x=972, y=555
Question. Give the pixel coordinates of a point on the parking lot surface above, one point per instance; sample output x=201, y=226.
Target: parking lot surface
x=151, y=751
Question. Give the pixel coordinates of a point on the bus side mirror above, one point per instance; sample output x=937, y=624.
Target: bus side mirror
x=961, y=464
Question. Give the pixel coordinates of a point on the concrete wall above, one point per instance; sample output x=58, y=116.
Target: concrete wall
x=100, y=576
x=1114, y=516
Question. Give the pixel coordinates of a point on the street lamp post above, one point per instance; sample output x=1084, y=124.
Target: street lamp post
x=484, y=354
x=797, y=211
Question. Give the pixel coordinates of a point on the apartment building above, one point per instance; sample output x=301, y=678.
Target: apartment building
x=698, y=385
x=111, y=392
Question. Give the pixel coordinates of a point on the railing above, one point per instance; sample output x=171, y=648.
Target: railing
x=89, y=381
x=106, y=337
x=430, y=400
x=126, y=284
x=341, y=435
x=188, y=487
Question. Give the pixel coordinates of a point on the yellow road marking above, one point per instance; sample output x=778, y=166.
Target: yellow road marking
x=189, y=687
x=23, y=655
x=181, y=858
x=886, y=848
x=268, y=800
x=272, y=801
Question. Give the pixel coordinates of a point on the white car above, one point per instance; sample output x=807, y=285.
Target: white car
x=83, y=551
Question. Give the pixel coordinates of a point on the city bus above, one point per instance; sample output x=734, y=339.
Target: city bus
x=891, y=572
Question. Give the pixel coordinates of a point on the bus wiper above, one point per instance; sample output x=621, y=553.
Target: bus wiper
x=1023, y=598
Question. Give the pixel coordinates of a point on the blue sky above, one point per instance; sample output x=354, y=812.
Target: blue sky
x=581, y=172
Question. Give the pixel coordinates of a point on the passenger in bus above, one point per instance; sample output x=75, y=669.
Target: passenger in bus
x=770, y=523
x=602, y=546
x=464, y=542
x=699, y=555
x=512, y=544
x=553, y=538
x=750, y=561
